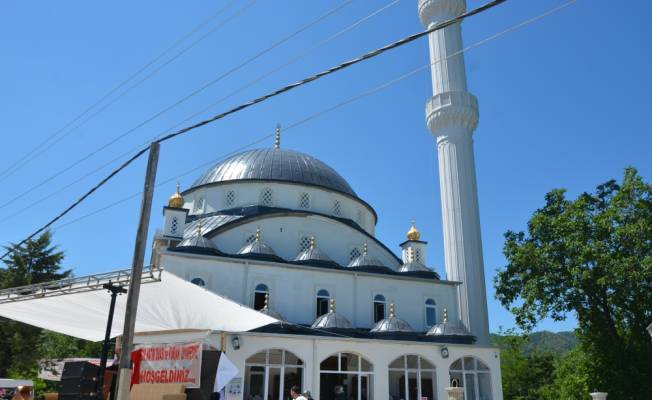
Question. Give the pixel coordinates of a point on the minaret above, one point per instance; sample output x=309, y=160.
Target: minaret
x=452, y=116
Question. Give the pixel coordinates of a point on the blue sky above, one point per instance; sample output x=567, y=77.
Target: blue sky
x=563, y=102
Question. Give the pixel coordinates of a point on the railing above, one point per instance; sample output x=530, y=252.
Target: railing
x=81, y=284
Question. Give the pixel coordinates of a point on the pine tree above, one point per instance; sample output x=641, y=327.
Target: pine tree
x=33, y=262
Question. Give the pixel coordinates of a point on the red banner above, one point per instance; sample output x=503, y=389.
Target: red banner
x=168, y=363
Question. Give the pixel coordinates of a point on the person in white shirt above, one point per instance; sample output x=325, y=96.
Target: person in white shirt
x=295, y=392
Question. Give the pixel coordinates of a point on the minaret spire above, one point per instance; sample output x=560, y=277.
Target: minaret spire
x=452, y=116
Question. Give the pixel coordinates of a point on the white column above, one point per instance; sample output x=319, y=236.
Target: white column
x=452, y=116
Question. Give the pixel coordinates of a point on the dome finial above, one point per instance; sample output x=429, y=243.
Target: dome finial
x=312, y=242
x=176, y=200
x=365, y=249
x=413, y=233
x=266, y=305
x=258, y=235
x=277, y=143
x=392, y=310
x=199, y=226
x=445, y=315
x=332, y=306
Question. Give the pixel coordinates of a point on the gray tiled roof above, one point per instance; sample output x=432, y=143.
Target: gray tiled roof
x=276, y=165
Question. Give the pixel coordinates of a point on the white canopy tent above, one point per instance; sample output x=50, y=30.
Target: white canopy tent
x=171, y=303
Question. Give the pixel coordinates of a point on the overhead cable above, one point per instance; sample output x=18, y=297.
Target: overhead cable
x=54, y=138
x=322, y=112
x=178, y=102
x=260, y=99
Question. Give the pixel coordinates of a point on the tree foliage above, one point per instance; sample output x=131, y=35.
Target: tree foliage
x=592, y=257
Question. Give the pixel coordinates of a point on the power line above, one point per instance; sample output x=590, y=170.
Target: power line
x=301, y=55
x=327, y=110
x=25, y=159
x=260, y=99
x=178, y=102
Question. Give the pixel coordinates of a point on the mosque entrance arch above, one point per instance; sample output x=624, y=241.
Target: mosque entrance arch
x=269, y=374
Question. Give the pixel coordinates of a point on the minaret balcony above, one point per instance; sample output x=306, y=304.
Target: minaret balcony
x=450, y=112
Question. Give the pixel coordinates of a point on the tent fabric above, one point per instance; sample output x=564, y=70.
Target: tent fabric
x=172, y=303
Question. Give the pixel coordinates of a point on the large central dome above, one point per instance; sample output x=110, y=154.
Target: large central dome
x=276, y=165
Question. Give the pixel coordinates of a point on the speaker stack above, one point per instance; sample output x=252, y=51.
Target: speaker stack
x=79, y=381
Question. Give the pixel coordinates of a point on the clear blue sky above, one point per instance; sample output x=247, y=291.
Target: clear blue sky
x=564, y=102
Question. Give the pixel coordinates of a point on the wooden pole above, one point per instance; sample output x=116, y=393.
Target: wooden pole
x=124, y=380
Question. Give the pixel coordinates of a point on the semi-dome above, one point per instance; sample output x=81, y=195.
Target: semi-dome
x=365, y=260
x=276, y=165
x=331, y=320
x=391, y=323
x=445, y=328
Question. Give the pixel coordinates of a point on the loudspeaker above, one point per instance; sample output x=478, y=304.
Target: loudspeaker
x=68, y=396
x=76, y=385
x=80, y=370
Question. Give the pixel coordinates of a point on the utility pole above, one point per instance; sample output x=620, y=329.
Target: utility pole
x=124, y=380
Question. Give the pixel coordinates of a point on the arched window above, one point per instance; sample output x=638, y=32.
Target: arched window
x=174, y=225
x=271, y=373
x=345, y=376
x=412, y=377
x=198, y=281
x=304, y=201
x=337, y=207
x=380, y=304
x=431, y=313
x=229, y=198
x=260, y=293
x=323, y=298
x=474, y=376
x=267, y=197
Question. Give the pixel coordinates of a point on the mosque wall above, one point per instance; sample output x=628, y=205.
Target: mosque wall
x=293, y=289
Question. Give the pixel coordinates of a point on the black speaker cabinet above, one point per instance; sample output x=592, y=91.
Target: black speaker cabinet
x=80, y=370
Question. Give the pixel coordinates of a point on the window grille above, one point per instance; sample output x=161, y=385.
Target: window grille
x=267, y=197
x=174, y=225
x=354, y=253
x=304, y=201
x=304, y=243
x=337, y=207
x=251, y=238
x=417, y=255
x=229, y=198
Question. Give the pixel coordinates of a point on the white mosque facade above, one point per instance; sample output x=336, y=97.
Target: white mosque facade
x=282, y=232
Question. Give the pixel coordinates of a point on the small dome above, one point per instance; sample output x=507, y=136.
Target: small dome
x=197, y=242
x=257, y=247
x=413, y=233
x=365, y=260
x=331, y=320
x=391, y=324
x=176, y=200
x=412, y=265
x=312, y=253
x=447, y=329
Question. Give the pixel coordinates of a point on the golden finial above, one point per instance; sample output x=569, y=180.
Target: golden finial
x=413, y=233
x=265, y=306
x=445, y=315
x=176, y=200
x=332, y=306
x=392, y=310
x=365, y=249
x=199, y=228
x=312, y=242
x=277, y=142
x=258, y=235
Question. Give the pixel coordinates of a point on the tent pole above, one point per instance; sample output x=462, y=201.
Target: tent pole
x=115, y=290
x=124, y=377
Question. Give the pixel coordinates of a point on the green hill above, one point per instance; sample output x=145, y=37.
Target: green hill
x=559, y=343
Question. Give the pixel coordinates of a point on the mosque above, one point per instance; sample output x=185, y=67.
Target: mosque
x=281, y=232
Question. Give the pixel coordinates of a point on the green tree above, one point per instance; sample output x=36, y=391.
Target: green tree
x=35, y=261
x=592, y=257
x=571, y=377
x=524, y=375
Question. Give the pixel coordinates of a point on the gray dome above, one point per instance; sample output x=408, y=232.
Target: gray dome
x=391, y=324
x=447, y=329
x=276, y=165
x=414, y=266
x=197, y=241
x=365, y=260
x=331, y=320
x=312, y=253
x=257, y=247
